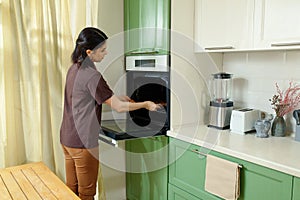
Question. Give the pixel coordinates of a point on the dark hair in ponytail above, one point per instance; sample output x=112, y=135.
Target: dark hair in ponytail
x=88, y=38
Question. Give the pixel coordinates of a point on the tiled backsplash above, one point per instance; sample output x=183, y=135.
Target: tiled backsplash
x=255, y=75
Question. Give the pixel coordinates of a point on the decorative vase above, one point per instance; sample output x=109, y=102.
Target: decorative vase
x=278, y=127
x=262, y=128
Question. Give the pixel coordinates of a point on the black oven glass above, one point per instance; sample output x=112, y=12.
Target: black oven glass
x=156, y=92
x=143, y=86
x=149, y=86
x=145, y=63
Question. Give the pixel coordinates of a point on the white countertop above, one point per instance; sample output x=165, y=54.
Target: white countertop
x=279, y=153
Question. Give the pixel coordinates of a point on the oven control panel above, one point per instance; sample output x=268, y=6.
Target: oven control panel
x=159, y=63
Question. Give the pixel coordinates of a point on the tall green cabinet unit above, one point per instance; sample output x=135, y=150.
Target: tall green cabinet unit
x=146, y=26
x=146, y=31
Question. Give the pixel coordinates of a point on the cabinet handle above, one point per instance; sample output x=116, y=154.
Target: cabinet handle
x=219, y=48
x=154, y=138
x=198, y=152
x=285, y=44
x=203, y=154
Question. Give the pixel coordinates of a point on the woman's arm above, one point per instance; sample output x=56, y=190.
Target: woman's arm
x=125, y=105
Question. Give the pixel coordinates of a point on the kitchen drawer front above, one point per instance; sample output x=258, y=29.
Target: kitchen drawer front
x=187, y=168
x=146, y=145
x=146, y=154
x=296, y=190
x=176, y=193
x=258, y=182
x=147, y=186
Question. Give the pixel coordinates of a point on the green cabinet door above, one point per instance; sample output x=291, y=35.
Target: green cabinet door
x=188, y=173
x=176, y=193
x=147, y=168
x=146, y=25
x=296, y=189
x=187, y=169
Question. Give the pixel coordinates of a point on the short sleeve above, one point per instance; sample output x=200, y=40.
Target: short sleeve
x=99, y=89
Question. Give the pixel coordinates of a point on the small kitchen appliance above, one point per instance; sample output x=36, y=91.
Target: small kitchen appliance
x=243, y=120
x=220, y=105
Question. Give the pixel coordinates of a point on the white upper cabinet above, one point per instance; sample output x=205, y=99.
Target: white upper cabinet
x=277, y=24
x=246, y=25
x=222, y=25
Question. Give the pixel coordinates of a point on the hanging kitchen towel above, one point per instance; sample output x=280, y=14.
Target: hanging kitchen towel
x=222, y=178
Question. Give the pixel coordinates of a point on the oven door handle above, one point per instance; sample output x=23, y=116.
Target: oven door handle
x=151, y=52
x=108, y=140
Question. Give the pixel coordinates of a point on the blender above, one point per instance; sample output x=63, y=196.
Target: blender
x=220, y=105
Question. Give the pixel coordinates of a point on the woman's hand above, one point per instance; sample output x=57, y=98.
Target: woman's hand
x=152, y=106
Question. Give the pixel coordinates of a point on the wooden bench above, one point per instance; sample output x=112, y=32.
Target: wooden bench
x=32, y=181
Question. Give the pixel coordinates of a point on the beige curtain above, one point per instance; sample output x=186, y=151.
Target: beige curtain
x=38, y=39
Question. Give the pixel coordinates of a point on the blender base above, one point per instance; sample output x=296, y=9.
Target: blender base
x=220, y=114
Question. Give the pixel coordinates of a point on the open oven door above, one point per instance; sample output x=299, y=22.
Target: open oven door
x=141, y=86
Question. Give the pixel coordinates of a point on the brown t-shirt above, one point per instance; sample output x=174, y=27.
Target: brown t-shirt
x=85, y=91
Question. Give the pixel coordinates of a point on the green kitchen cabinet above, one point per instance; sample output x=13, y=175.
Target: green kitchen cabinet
x=146, y=26
x=179, y=194
x=147, y=168
x=296, y=189
x=187, y=171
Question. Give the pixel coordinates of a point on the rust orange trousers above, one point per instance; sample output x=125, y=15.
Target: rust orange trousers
x=82, y=171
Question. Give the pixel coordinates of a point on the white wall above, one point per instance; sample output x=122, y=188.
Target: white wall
x=113, y=167
x=112, y=67
x=189, y=71
x=255, y=75
x=110, y=20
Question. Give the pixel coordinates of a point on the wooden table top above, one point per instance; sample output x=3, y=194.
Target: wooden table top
x=32, y=181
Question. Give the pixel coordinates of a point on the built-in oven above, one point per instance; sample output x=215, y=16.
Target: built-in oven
x=147, y=79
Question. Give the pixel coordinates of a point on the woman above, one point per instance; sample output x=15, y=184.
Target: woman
x=85, y=92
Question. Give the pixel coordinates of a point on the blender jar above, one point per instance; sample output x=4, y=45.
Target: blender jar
x=221, y=87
